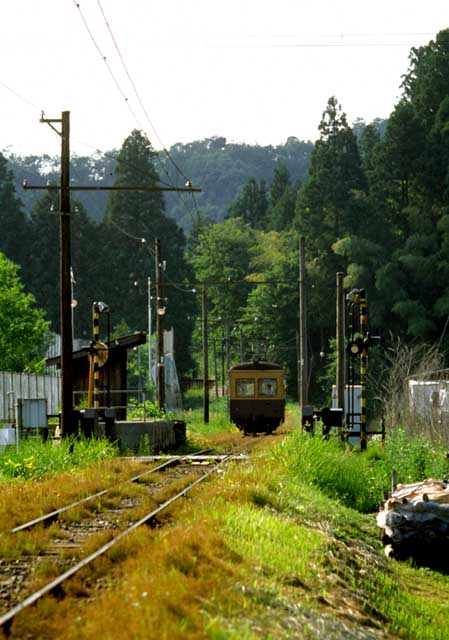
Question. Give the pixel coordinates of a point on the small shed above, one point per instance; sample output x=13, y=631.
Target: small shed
x=113, y=375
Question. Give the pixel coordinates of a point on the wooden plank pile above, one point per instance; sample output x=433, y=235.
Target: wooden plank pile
x=415, y=522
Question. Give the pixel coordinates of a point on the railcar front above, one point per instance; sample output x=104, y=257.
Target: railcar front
x=256, y=396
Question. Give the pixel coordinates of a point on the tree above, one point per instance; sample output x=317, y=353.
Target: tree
x=24, y=332
x=269, y=321
x=251, y=204
x=133, y=216
x=222, y=253
x=426, y=88
x=41, y=269
x=324, y=203
x=328, y=208
x=222, y=168
x=220, y=258
x=282, y=198
x=426, y=83
x=404, y=145
x=13, y=223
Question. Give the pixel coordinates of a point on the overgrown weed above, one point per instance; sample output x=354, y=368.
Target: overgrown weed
x=34, y=458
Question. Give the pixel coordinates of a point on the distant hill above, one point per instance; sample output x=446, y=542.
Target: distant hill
x=221, y=169
x=218, y=168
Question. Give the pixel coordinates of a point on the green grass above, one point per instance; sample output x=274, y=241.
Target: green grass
x=193, y=415
x=35, y=459
x=309, y=521
x=358, y=479
x=138, y=410
x=272, y=540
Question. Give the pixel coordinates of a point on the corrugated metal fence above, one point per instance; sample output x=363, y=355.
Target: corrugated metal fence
x=30, y=386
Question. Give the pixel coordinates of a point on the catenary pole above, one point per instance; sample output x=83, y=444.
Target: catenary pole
x=340, y=338
x=149, y=334
x=205, y=357
x=65, y=289
x=303, y=363
x=160, y=311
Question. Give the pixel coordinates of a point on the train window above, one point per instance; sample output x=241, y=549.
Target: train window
x=245, y=387
x=267, y=387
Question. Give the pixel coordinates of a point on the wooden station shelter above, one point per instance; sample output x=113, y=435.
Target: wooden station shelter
x=112, y=375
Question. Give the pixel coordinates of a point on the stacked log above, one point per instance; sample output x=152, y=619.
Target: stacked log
x=415, y=522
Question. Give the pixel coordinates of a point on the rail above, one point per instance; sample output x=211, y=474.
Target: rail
x=7, y=618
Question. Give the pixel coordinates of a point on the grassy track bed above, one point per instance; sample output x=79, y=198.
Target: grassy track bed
x=272, y=548
x=284, y=545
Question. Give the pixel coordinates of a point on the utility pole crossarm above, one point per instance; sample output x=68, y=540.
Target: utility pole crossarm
x=55, y=187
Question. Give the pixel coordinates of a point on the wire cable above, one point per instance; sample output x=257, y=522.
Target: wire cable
x=104, y=58
x=137, y=93
x=140, y=239
x=22, y=98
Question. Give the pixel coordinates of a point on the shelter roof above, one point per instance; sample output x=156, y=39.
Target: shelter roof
x=115, y=346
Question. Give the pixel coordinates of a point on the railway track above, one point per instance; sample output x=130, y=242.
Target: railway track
x=180, y=475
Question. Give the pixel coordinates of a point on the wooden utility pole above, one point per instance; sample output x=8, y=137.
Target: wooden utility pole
x=67, y=424
x=303, y=363
x=228, y=345
x=160, y=312
x=222, y=362
x=150, y=379
x=340, y=338
x=216, y=368
x=205, y=357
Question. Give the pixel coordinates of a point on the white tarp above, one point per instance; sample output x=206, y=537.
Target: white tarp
x=429, y=398
x=172, y=387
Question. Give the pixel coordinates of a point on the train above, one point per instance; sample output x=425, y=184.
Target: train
x=256, y=396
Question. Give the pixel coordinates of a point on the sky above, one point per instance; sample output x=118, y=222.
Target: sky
x=253, y=71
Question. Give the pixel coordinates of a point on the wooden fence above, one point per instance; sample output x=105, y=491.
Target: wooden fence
x=27, y=386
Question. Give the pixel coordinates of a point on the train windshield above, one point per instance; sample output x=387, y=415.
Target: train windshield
x=245, y=387
x=267, y=387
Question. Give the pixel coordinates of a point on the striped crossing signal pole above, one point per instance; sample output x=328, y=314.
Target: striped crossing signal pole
x=97, y=357
x=358, y=347
x=363, y=365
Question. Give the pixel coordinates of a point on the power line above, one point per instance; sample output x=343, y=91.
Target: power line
x=340, y=41
x=140, y=239
x=104, y=153
x=104, y=58
x=122, y=93
x=137, y=93
x=132, y=84
x=22, y=98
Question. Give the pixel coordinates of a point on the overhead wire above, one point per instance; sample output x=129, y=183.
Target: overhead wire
x=132, y=83
x=142, y=105
x=116, y=82
x=22, y=98
x=104, y=58
x=131, y=165
x=139, y=99
x=122, y=93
